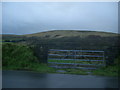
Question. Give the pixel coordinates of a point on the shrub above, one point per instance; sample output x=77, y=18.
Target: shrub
x=16, y=55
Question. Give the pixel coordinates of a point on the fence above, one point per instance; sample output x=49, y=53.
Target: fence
x=83, y=59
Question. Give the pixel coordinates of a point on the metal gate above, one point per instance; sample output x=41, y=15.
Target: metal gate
x=82, y=59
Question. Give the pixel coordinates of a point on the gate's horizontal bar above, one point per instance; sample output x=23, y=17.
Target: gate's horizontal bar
x=76, y=55
x=76, y=50
x=73, y=59
x=85, y=68
x=60, y=67
x=76, y=64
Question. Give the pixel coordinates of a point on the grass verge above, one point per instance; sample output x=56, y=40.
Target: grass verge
x=37, y=67
x=107, y=71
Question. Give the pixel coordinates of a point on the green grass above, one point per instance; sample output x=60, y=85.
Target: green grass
x=37, y=67
x=75, y=71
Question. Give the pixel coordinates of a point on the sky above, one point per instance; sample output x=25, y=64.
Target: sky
x=32, y=17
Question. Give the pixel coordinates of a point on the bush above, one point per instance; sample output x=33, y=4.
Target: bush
x=15, y=55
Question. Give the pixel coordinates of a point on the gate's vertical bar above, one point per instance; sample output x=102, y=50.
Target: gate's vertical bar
x=74, y=58
x=69, y=53
x=104, y=59
x=48, y=56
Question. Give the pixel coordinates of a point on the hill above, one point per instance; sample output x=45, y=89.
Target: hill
x=69, y=33
x=68, y=39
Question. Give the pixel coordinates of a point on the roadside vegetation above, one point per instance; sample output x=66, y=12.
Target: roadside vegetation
x=20, y=57
x=107, y=71
x=112, y=70
x=73, y=71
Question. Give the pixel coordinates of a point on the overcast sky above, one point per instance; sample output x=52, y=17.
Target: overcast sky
x=30, y=17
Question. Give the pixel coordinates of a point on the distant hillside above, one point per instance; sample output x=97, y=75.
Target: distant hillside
x=68, y=39
x=12, y=37
x=70, y=33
